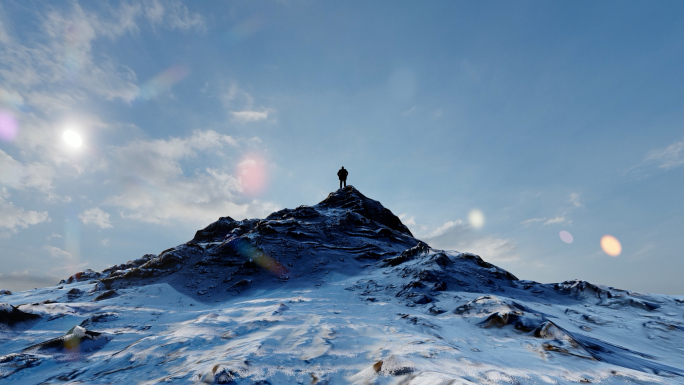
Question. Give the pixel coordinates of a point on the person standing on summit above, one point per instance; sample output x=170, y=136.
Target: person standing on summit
x=343, y=176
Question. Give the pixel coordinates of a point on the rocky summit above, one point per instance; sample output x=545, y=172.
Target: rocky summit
x=335, y=293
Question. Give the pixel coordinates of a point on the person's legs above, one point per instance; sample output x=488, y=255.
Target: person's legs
x=345, y=183
x=340, y=183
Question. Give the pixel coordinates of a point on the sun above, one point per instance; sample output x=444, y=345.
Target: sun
x=72, y=138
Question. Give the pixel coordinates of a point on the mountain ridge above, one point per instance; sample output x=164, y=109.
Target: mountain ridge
x=337, y=292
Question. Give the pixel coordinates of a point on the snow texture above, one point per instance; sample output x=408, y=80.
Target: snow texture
x=336, y=293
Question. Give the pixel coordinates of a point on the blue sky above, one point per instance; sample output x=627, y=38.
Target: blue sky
x=542, y=116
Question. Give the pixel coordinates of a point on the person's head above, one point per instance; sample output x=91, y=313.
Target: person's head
x=343, y=167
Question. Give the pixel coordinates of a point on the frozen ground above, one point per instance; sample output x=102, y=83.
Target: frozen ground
x=337, y=293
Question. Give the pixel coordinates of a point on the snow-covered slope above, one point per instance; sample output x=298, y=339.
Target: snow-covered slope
x=336, y=293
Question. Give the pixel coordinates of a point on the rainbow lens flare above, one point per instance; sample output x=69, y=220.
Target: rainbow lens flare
x=162, y=82
x=249, y=252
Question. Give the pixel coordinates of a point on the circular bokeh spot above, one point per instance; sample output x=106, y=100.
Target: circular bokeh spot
x=565, y=236
x=476, y=218
x=611, y=245
x=8, y=126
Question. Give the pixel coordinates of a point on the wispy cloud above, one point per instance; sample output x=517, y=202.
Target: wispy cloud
x=58, y=68
x=575, y=200
x=241, y=107
x=97, y=217
x=13, y=218
x=19, y=176
x=530, y=221
x=456, y=235
x=56, y=252
x=545, y=221
x=156, y=188
x=667, y=158
x=563, y=213
x=249, y=116
x=556, y=220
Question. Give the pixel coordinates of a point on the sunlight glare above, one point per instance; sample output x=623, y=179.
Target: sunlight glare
x=72, y=138
x=476, y=218
x=611, y=245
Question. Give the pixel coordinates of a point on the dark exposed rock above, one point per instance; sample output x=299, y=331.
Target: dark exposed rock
x=107, y=294
x=129, y=265
x=100, y=317
x=421, y=299
x=434, y=310
x=216, y=231
x=75, y=292
x=579, y=289
x=351, y=199
x=10, y=315
x=85, y=275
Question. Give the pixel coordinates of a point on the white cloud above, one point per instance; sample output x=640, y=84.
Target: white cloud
x=406, y=220
x=562, y=217
x=240, y=106
x=667, y=158
x=97, y=217
x=19, y=176
x=249, y=116
x=455, y=235
x=56, y=252
x=57, y=67
x=445, y=227
x=179, y=17
x=157, y=189
x=4, y=37
x=530, y=221
x=575, y=200
x=13, y=218
x=411, y=110
x=556, y=220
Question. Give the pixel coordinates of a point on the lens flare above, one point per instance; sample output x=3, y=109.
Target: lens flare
x=254, y=254
x=243, y=31
x=75, y=38
x=12, y=100
x=8, y=126
x=72, y=138
x=565, y=236
x=611, y=245
x=476, y=219
x=161, y=83
x=253, y=175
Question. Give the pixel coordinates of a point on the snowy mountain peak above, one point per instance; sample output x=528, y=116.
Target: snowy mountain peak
x=349, y=198
x=335, y=293
x=344, y=234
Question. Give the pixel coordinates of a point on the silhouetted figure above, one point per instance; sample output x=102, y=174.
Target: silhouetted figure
x=343, y=176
